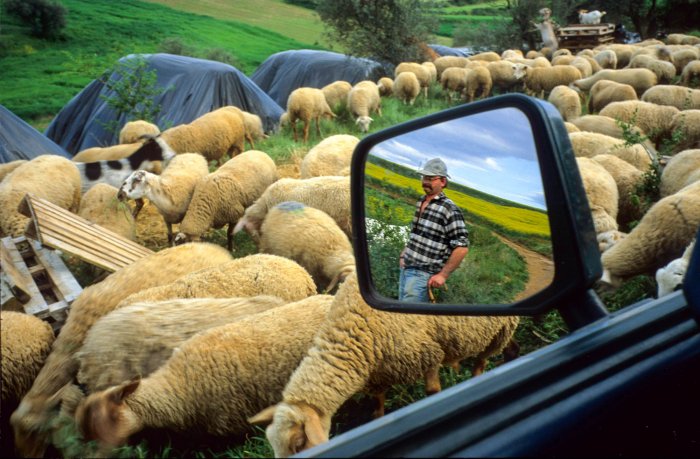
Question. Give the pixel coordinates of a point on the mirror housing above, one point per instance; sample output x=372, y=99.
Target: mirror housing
x=575, y=251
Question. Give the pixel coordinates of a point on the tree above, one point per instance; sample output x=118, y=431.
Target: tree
x=386, y=30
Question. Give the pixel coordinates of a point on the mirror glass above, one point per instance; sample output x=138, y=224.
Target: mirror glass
x=496, y=183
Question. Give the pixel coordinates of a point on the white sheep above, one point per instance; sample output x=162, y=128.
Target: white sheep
x=671, y=276
x=26, y=342
x=171, y=192
x=590, y=144
x=356, y=349
x=590, y=17
x=567, y=101
x=432, y=70
x=655, y=120
x=659, y=237
x=221, y=197
x=607, y=59
x=213, y=135
x=50, y=177
x=331, y=156
x=311, y=238
x=541, y=80
x=604, y=92
x=477, y=83
x=132, y=131
x=406, y=87
x=628, y=178
x=422, y=74
x=33, y=418
x=307, y=104
x=690, y=75
x=453, y=80
x=686, y=126
x=326, y=193
x=682, y=39
x=252, y=124
x=665, y=71
x=6, y=168
x=505, y=75
x=386, y=86
x=137, y=339
x=443, y=62
x=100, y=205
x=363, y=100
x=682, y=58
x=639, y=79
x=681, y=170
x=93, y=154
x=215, y=380
x=336, y=94
x=601, y=189
x=608, y=126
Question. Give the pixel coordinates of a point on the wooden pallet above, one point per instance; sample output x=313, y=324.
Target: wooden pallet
x=576, y=37
x=36, y=281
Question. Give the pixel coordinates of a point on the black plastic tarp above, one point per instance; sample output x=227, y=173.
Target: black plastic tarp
x=283, y=72
x=447, y=51
x=18, y=140
x=191, y=88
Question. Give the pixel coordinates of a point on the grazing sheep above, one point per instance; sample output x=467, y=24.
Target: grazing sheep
x=364, y=99
x=541, y=80
x=600, y=186
x=50, y=177
x=93, y=154
x=563, y=59
x=432, y=70
x=489, y=56
x=336, y=95
x=511, y=53
x=331, y=156
x=171, y=192
x=151, y=155
x=686, y=125
x=6, y=168
x=607, y=59
x=682, y=58
x=583, y=65
x=311, y=238
x=356, y=349
x=628, y=178
x=655, y=120
x=505, y=76
x=660, y=236
x=590, y=144
x=213, y=382
x=567, y=101
x=676, y=96
x=307, y=104
x=33, y=418
x=134, y=130
x=101, y=206
x=639, y=79
x=608, y=126
x=406, y=87
x=681, y=39
x=329, y=194
x=454, y=80
x=385, y=86
x=590, y=17
x=444, y=62
x=252, y=275
x=595, y=66
x=253, y=128
x=690, y=75
x=671, y=276
x=421, y=72
x=623, y=53
x=477, y=83
x=221, y=197
x=681, y=170
x=137, y=339
x=213, y=135
x=664, y=70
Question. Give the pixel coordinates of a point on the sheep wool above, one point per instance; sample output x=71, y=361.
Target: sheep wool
x=356, y=349
x=665, y=71
x=221, y=197
x=326, y=193
x=32, y=419
x=600, y=186
x=420, y=71
x=686, y=125
x=655, y=120
x=542, y=80
x=50, y=177
x=639, y=79
x=386, y=86
x=680, y=171
x=454, y=80
x=6, y=168
x=604, y=92
x=406, y=87
x=331, y=156
x=627, y=177
x=363, y=100
x=133, y=130
x=676, y=96
x=505, y=76
x=660, y=236
x=336, y=94
x=213, y=382
x=671, y=276
x=590, y=144
x=101, y=206
x=567, y=101
x=608, y=126
x=443, y=62
x=93, y=154
x=252, y=275
x=478, y=83
x=137, y=339
x=307, y=104
x=311, y=238
x=690, y=75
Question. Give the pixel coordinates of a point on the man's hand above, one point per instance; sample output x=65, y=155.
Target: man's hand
x=437, y=280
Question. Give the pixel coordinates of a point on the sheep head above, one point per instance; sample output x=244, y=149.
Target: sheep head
x=135, y=186
x=363, y=122
x=293, y=427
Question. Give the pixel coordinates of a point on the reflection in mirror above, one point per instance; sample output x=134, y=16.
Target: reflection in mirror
x=495, y=181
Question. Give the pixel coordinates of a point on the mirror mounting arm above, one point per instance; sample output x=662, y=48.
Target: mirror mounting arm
x=582, y=310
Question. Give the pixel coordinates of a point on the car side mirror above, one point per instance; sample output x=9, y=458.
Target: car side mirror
x=514, y=176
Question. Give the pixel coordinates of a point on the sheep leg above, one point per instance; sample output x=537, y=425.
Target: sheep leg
x=479, y=366
x=432, y=380
x=511, y=351
x=229, y=237
x=137, y=207
x=294, y=129
x=306, y=130
x=170, y=234
x=379, y=405
x=318, y=128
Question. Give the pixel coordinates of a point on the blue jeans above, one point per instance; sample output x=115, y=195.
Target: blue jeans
x=413, y=285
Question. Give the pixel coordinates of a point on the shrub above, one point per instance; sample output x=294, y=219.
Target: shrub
x=173, y=45
x=221, y=55
x=47, y=18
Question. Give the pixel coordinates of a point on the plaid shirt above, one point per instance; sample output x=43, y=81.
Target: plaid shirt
x=434, y=234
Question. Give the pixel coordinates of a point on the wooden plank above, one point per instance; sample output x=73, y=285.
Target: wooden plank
x=36, y=305
x=62, y=280
x=17, y=282
x=59, y=311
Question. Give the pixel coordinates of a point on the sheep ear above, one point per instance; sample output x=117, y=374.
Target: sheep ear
x=313, y=430
x=123, y=391
x=264, y=417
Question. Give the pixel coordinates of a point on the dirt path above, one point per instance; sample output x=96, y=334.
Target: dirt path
x=540, y=269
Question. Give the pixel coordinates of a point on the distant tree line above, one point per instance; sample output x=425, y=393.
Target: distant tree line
x=46, y=18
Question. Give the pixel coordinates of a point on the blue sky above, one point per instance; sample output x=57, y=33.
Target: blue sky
x=493, y=152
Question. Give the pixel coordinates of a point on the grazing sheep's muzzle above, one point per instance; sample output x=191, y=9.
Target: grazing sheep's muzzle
x=121, y=195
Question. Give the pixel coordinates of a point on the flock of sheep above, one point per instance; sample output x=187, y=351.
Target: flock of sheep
x=191, y=339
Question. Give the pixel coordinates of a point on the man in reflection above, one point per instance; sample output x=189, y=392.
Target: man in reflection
x=439, y=239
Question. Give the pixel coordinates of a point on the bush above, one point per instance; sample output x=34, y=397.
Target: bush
x=221, y=55
x=47, y=18
x=173, y=45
